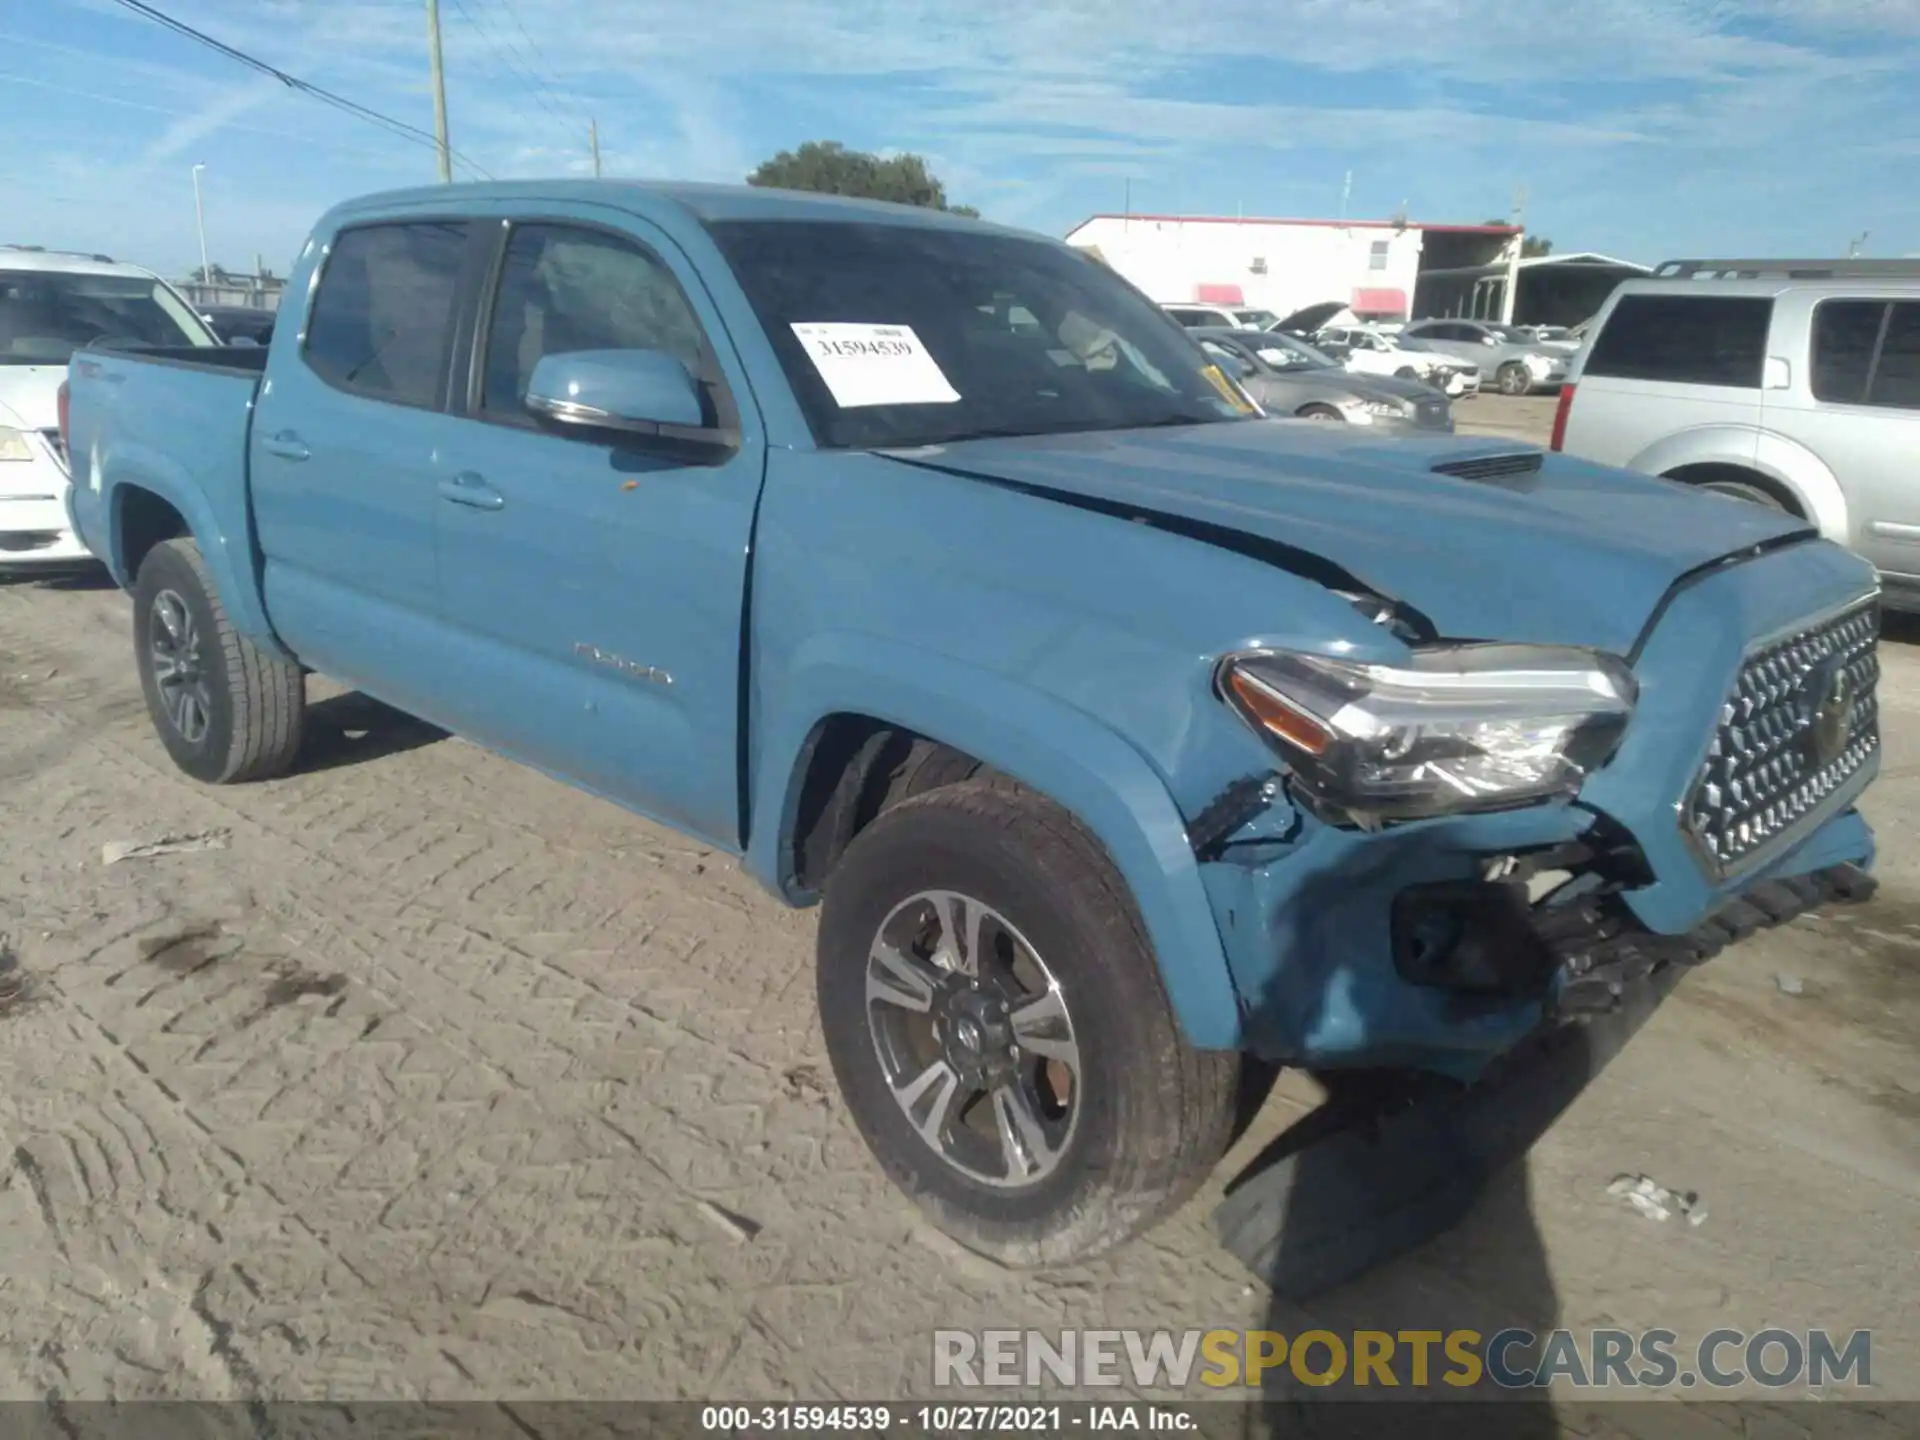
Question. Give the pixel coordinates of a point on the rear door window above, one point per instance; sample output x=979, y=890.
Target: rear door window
x=1845, y=335
x=1685, y=340
x=1896, y=378
x=383, y=318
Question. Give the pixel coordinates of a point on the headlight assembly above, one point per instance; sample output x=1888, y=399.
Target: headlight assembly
x=1456, y=729
x=13, y=445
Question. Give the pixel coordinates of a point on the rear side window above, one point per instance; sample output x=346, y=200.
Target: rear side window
x=1867, y=352
x=382, y=319
x=1685, y=340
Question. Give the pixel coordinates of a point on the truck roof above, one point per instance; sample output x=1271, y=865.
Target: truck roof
x=72, y=262
x=692, y=201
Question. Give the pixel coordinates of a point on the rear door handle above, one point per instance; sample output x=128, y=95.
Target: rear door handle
x=470, y=487
x=287, y=445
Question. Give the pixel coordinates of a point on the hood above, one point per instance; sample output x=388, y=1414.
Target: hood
x=29, y=396
x=1309, y=318
x=1570, y=553
x=1345, y=383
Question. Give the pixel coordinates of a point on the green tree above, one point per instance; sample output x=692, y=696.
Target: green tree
x=827, y=167
x=1530, y=245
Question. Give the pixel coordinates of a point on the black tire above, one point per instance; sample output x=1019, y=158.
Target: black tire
x=1514, y=378
x=1320, y=412
x=1406, y=372
x=248, y=710
x=1155, y=1113
x=1744, y=490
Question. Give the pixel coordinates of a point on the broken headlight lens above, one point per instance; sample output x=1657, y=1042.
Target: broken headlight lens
x=1455, y=729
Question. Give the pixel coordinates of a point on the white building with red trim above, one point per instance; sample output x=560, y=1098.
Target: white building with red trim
x=1374, y=267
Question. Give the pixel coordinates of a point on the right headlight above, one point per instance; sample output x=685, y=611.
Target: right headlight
x=13, y=445
x=1455, y=729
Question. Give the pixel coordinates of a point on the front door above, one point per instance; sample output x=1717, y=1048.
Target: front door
x=593, y=584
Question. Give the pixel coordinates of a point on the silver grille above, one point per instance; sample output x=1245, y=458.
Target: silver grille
x=1803, y=718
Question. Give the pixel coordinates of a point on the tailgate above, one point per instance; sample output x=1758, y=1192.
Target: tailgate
x=176, y=427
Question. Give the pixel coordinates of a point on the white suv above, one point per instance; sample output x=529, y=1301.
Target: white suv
x=1790, y=383
x=50, y=303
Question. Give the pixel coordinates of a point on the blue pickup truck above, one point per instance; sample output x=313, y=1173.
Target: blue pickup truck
x=1122, y=731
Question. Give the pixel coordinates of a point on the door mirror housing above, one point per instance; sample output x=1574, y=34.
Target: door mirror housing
x=642, y=392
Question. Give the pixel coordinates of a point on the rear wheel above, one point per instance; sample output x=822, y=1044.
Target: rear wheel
x=226, y=710
x=1320, y=412
x=998, y=1028
x=1744, y=490
x=1514, y=378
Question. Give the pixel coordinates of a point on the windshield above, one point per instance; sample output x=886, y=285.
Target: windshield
x=1257, y=319
x=45, y=315
x=1283, y=352
x=894, y=335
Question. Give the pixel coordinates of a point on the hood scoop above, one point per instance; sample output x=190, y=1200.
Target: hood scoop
x=1495, y=468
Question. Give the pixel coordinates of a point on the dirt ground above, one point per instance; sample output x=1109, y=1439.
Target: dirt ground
x=434, y=1078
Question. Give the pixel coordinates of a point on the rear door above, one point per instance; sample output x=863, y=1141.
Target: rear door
x=1673, y=380
x=593, y=585
x=1853, y=400
x=343, y=453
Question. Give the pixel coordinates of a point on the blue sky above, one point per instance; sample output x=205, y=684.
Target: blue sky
x=1644, y=128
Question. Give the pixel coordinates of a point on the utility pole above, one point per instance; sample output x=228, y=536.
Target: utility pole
x=200, y=222
x=439, y=92
x=593, y=134
x=1510, y=293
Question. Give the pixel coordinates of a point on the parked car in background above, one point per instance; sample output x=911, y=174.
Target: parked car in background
x=236, y=323
x=1366, y=351
x=1551, y=337
x=51, y=302
x=1519, y=366
x=1205, y=317
x=1793, y=384
x=1290, y=377
x=924, y=566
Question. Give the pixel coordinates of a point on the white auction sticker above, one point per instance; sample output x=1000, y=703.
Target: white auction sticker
x=875, y=365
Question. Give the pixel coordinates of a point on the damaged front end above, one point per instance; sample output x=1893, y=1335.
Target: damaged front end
x=1460, y=848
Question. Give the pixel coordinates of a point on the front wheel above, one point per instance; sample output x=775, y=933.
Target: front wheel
x=1515, y=379
x=1321, y=412
x=226, y=710
x=998, y=1027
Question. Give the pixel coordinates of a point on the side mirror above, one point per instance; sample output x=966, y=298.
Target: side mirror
x=631, y=390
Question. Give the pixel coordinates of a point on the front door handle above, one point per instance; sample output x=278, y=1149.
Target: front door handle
x=470, y=487
x=287, y=445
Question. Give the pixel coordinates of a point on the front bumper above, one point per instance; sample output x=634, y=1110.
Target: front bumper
x=35, y=530
x=1334, y=971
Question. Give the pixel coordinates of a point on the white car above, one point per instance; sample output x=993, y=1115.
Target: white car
x=1220, y=317
x=51, y=302
x=1366, y=351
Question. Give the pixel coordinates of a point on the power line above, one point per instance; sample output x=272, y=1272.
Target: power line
x=534, y=45
x=9, y=76
x=486, y=34
x=294, y=82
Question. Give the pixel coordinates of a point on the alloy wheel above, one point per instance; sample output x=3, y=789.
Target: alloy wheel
x=173, y=644
x=975, y=1038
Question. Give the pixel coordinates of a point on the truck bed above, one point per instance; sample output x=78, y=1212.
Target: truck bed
x=176, y=420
